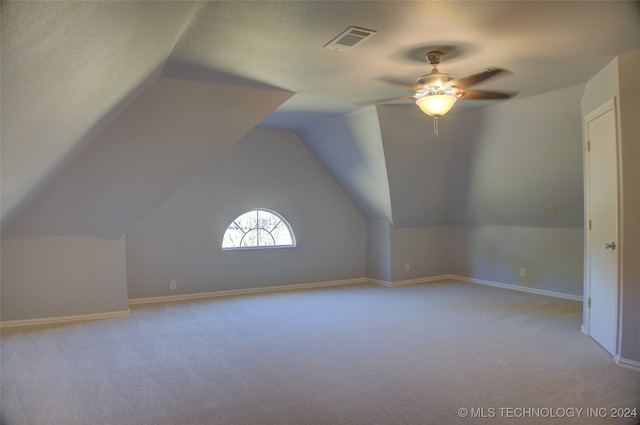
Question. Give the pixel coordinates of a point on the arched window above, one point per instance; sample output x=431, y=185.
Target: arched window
x=259, y=228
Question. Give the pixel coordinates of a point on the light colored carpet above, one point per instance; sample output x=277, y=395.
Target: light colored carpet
x=342, y=355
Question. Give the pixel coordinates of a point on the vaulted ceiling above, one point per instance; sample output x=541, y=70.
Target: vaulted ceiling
x=107, y=107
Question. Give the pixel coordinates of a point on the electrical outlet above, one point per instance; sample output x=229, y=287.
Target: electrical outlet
x=522, y=272
x=407, y=266
x=172, y=285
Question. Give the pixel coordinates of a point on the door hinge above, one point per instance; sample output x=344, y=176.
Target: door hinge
x=589, y=224
x=589, y=302
x=588, y=145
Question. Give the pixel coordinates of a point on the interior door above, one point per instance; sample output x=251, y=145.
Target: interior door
x=602, y=236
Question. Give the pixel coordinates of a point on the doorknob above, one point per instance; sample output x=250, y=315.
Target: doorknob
x=611, y=245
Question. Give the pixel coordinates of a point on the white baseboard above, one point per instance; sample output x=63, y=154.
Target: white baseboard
x=409, y=281
x=519, y=288
x=64, y=319
x=247, y=291
x=630, y=364
x=279, y=288
x=479, y=281
x=378, y=282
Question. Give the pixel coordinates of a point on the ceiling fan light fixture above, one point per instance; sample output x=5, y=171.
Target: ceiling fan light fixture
x=436, y=105
x=435, y=93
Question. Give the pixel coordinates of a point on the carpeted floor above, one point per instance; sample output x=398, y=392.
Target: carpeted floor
x=360, y=354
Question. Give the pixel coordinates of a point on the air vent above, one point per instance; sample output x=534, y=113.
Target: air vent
x=349, y=39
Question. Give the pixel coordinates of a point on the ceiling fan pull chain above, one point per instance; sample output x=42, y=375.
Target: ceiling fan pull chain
x=435, y=129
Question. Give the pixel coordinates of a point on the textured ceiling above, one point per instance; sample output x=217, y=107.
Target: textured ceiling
x=70, y=69
x=545, y=45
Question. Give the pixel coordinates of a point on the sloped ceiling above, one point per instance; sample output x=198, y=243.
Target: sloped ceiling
x=510, y=162
x=144, y=155
x=419, y=168
x=350, y=147
x=68, y=68
x=72, y=73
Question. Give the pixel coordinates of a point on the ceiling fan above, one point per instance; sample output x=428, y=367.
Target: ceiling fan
x=436, y=92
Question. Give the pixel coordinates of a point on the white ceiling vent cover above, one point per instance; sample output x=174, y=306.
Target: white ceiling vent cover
x=349, y=39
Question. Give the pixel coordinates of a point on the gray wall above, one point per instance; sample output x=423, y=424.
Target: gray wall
x=507, y=163
x=511, y=161
x=503, y=165
x=379, y=250
x=424, y=248
x=551, y=257
x=62, y=276
x=389, y=249
x=64, y=255
x=629, y=66
x=180, y=240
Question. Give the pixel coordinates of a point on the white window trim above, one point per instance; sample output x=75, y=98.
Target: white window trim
x=244, y=248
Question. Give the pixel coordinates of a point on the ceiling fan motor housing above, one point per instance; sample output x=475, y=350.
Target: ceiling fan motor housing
x=435, y=82
x=434, y=57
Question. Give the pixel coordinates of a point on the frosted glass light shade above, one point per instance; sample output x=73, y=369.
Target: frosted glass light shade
x=436, y=104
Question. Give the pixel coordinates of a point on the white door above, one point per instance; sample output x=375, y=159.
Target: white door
x=602, y=238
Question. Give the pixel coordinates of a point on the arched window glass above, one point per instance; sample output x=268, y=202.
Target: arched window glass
x=259, y=228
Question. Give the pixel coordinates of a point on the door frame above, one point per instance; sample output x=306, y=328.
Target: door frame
x=609, y=105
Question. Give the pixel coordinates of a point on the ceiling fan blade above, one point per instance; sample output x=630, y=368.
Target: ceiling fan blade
x=476, y=78
x=482, y=95
x=387, y=100
x=412, y=86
